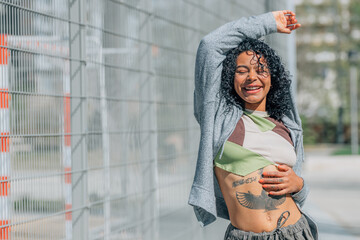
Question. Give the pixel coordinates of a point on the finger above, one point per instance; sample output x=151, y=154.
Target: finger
x=293, y=21
x=296, y=26
x=292, y=27
x=278, y=193
x=283, y=167
x=271, y=180
x=290, y=17
x=273, y=174
x=285, y=12
x=285, y=30
x=290, y=21
x=273, y=187
x=288, y=12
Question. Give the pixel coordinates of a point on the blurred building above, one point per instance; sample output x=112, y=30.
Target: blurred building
x=330, y=29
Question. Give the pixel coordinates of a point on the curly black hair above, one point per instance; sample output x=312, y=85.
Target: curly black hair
x=278, y=100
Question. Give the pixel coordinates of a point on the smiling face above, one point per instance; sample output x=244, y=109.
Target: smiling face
x=252, y=80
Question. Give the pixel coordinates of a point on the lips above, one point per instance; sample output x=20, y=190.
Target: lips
x=252, y=89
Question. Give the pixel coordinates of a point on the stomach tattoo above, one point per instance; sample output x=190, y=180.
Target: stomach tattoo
x=252, y=201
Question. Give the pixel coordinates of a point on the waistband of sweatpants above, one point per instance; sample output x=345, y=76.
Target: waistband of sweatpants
x=300, y=225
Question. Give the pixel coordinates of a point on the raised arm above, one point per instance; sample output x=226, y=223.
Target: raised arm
x=214, y=46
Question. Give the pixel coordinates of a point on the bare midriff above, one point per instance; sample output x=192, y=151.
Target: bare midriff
x=249, y=205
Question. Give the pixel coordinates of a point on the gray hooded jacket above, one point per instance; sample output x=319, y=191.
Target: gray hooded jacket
x=216, y=125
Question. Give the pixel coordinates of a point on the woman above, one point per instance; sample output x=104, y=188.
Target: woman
x=251, y=149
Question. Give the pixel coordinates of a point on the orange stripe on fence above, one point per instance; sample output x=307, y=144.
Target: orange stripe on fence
x=5, y=142
x=68, y=175
x=4, y=186
x=68, y=215
x=67, y=119
x=4, y=231
x=3, y=51
x=4, y=98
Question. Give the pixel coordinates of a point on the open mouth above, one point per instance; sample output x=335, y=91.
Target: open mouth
x=252, y=90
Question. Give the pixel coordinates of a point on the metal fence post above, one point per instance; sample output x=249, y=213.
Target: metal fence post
x=67, y=152
x=5, y=202
x=106, y=146
x=148, y=125
x=77, y=33
x=354, y=110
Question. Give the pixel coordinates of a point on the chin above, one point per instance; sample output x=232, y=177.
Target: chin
x=252, y=101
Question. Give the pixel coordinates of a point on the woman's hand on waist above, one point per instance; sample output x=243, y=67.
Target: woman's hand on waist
x=281, y=182
x=285, y=21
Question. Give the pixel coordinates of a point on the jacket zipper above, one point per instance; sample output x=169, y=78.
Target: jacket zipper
x=223, y=145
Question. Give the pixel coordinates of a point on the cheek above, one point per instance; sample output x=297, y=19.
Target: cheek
x=267, y=82
x=238, y=81
x=237, y=85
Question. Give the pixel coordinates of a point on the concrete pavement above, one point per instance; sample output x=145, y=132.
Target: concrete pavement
x=334, y=199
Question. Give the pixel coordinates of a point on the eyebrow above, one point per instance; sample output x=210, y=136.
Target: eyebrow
x=244, y=66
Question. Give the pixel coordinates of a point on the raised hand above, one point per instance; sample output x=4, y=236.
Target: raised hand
x=286, y=21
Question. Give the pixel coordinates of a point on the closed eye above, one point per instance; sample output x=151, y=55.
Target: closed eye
x=242, y=70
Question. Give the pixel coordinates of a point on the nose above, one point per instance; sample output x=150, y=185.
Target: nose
x=252, y=75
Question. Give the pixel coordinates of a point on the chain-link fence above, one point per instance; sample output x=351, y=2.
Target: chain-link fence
x=98, y=137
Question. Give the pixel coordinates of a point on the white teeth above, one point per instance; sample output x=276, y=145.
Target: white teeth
x=252, y=88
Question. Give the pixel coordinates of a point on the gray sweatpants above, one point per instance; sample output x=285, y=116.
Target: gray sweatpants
x=298, y=231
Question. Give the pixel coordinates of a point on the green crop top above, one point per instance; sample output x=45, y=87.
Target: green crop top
x=256, y=142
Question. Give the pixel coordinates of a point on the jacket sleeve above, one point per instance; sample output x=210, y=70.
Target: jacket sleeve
x=212, y=51
x=300, y=196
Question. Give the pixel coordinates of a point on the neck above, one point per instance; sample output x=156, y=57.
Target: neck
x=256, y=113
x=256, y=107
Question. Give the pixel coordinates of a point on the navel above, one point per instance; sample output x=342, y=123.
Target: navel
x=268, y=217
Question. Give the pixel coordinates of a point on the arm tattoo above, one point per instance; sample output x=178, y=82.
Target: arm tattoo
x=242, y=181
x=262, y=201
